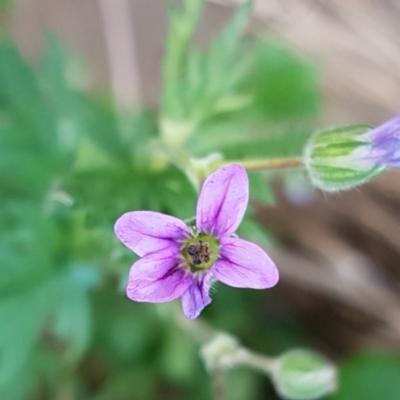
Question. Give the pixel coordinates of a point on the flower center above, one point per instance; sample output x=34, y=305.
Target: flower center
x=201, y=252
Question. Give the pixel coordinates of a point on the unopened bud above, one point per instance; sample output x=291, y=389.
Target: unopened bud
x=303, y=375
x=342, y=158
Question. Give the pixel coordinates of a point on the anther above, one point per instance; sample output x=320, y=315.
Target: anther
x=199, y=252
x=192, y=250
x=196, y=259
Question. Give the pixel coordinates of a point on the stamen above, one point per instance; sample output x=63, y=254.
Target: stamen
x=196, y=259
x=199, y=252
x=192, y=250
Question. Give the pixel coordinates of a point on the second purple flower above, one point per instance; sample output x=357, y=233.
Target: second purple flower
x=182, y=261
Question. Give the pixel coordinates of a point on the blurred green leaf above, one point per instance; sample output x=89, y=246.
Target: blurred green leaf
x=26, y=240
x=78, y=116
x=22, y=318
x=240, y=139
x=182, y=25
x=243, y=384
x=72, y=319
x=252, y=231
x=370, y=376
x=283, y=86
x=179, y=355
x=259, y=188
x=20, y=94
x=124, y=331
x=130, y=384
x=200, y=84
x=6, y=5
x=32, y=153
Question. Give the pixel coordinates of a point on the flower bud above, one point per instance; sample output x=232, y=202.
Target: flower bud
x=342, y=158
x=303, y=375
x=218, y=351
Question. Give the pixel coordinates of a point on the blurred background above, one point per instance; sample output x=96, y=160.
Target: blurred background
x=81, y=101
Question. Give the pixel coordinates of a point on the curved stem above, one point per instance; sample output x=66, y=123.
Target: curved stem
x=226, y=353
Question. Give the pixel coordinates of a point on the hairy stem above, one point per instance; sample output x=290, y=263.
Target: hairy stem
x=265, y=163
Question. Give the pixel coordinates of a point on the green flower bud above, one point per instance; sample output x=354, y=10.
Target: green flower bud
x=340, y=158
x=303, y=375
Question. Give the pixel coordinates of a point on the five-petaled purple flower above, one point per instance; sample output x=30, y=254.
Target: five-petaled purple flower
x=182, y=261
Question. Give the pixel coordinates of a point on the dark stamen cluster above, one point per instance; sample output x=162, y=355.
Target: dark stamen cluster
x=199, y=252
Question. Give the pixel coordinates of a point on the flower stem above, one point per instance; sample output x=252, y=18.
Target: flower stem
x=265, y=163
x=220, y=352
x=248, y=358
x=232, y=356
x=218, y=382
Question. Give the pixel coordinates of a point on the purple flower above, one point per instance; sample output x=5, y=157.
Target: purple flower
x=183, y=261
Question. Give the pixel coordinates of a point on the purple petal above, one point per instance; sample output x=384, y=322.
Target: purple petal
x=196, y=297
x=156, y=278
x=390, y=129
x=145, y=232
x=386, y=152
x=244, y=264
x=223, y=201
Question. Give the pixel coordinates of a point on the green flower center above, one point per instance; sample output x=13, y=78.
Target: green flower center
x=201, y=252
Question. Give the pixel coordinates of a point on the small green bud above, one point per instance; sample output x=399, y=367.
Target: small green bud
x=217, y=352
x=303, y=375
x=340, y=158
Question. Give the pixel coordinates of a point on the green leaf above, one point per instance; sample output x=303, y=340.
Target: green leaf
x=72, y=319
x=179, y=355
x=199, y=85
x=21, y=95
x=136, y=382
x=283, y=86
x=259, y=188
x=252, y=231
x=22, y=319
x=236, y=142
x=370, y=376
x=32, y=149
x=26, y=241
x=6, y=5
x=182, y=25
x=242, y=384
